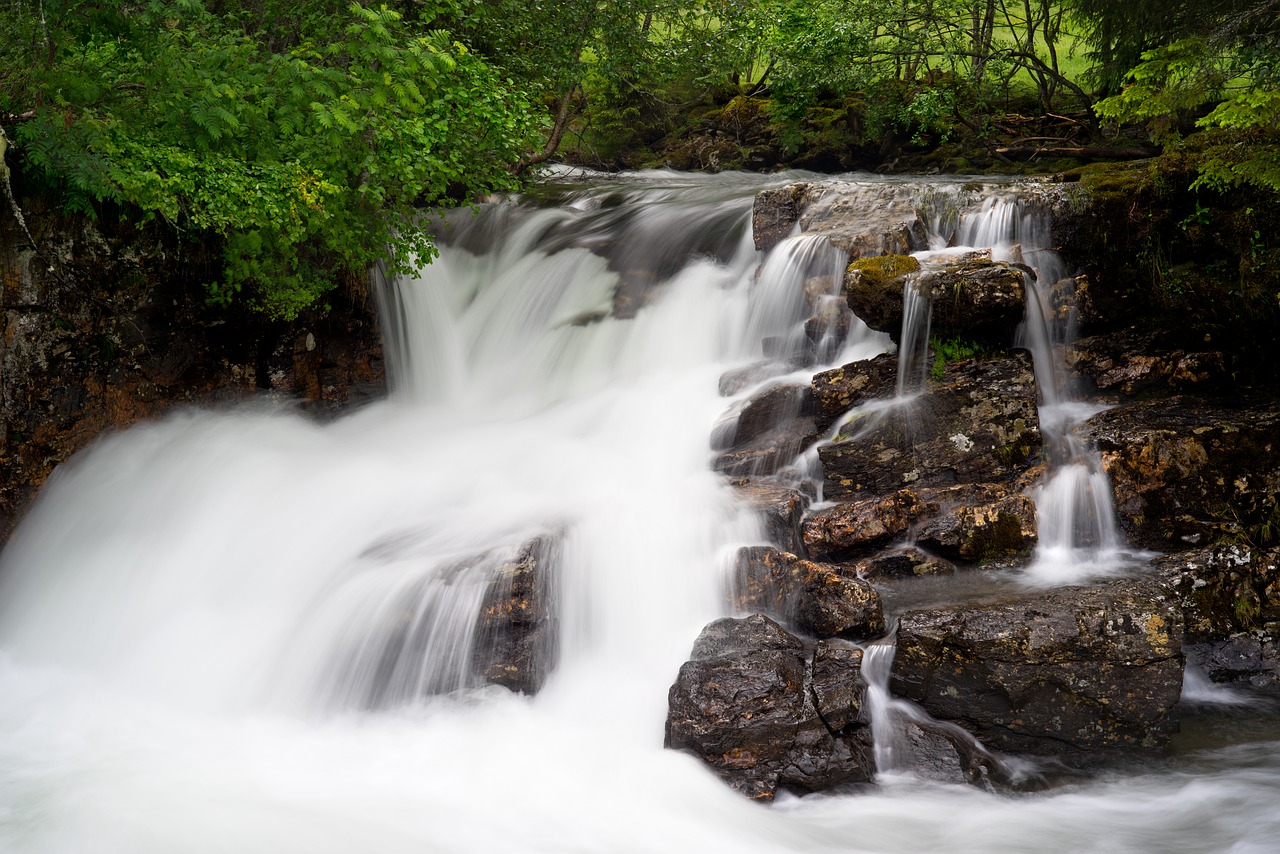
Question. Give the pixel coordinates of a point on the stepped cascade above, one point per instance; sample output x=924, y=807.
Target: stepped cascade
x=450, y=620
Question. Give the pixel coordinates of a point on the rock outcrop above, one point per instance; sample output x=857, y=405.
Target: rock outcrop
x=818, y=599
x=780, y=506
x=106, y=325
x=743, y=705
x=978, y=424
x=1187, y=473
x=1071, y=673
x=864, y=220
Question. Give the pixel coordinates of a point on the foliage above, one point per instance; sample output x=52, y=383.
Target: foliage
x=305, y=163
x=951, y=350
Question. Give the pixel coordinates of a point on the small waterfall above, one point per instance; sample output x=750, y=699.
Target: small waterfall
x=1078, y=538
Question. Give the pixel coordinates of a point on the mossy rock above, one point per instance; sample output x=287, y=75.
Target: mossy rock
x=882, y=269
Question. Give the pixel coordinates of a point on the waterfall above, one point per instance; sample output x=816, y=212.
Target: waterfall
x=241, y=630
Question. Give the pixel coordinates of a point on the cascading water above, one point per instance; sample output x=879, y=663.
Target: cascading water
x=243, y=631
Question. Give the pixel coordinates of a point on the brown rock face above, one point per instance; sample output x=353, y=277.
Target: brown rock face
x=782, y=509
x=1070, y=673
x=818, y=599
x=837, y=391
x=741, y=705
x=979, y=300
x=847, y=531
x=1134, y=363
x=979, y=424
x=976, y=523
x=1224, y=590
x=1186, y=473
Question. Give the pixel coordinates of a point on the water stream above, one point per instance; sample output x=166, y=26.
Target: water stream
x=241, y=631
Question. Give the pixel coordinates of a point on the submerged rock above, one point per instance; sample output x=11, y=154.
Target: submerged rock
x=1186, y=473
x=516, y=634
x=1070, y=673
x=819, y=599
x=741, y=705
x=979, y=424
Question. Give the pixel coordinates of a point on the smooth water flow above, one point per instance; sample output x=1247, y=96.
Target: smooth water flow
x=244, y=631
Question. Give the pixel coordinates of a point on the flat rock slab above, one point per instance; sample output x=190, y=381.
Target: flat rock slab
x=978, y=424
x=1073, y=673
x=743, y=706
x=862, y=219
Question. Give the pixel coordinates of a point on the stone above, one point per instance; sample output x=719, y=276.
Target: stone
x=847, y=531
x=873, y=288
x=1131, y=363
x=769, y=409
x=774, y=214
x=821, y=600
x=906, y=562
x=975, y=300
x=741, y=705
x=1185, y=472
x=978, y=424
x=837, y=391
x=1224, y=590
x=516, y=636
x=781, y=507
x=979, y=522
x=1073, y=673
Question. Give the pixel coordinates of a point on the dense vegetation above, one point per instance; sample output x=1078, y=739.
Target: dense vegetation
x=304, y=139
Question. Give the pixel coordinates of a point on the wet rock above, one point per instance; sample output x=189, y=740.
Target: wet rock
x=906, y=562
x=1185, y=472
x=847, y=531
x=1250, y=658
x=979, y=522
x=516, y=633
x=837, y=391
x=873, y=288
x=978, y=300
x=740, y=379
x=864, y=220
x=839, y=690
x=106, y=325
x=819, y=599
x=1133, y=363
x=979, y=424
x=782, y=509
x=1224, y=590
x=741, y=705
x=770, y=409
x=1071, y=673
x=945, y=754
x=768, y=453
x=774, y=214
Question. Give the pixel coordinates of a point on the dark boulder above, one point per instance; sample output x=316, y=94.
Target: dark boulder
x=1224, y=590
x=1185, y=472
x=905, y=562
x=837, y=391
x=742, y=705
x=819, y=599
x=977, y=299
x=515, y=643
x=1132, y=363
x=1073, y=673
x=775, y=213
x=873, y=288
x=847, y=531
x=978, y=424
x=780, y=507
x=979, y=522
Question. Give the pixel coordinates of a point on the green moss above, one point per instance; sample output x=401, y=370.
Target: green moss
x=883, y=269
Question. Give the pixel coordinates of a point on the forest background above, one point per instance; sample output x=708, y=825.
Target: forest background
x=303, y=141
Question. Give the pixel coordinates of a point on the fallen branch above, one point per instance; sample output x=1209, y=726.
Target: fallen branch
x=1086, y=151
x=8, y=189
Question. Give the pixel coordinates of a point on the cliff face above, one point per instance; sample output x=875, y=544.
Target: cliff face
x=105, y=324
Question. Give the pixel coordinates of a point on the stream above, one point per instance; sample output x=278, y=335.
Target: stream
x=241, y=630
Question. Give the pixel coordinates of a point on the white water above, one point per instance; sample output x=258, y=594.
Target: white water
x=178, y=613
